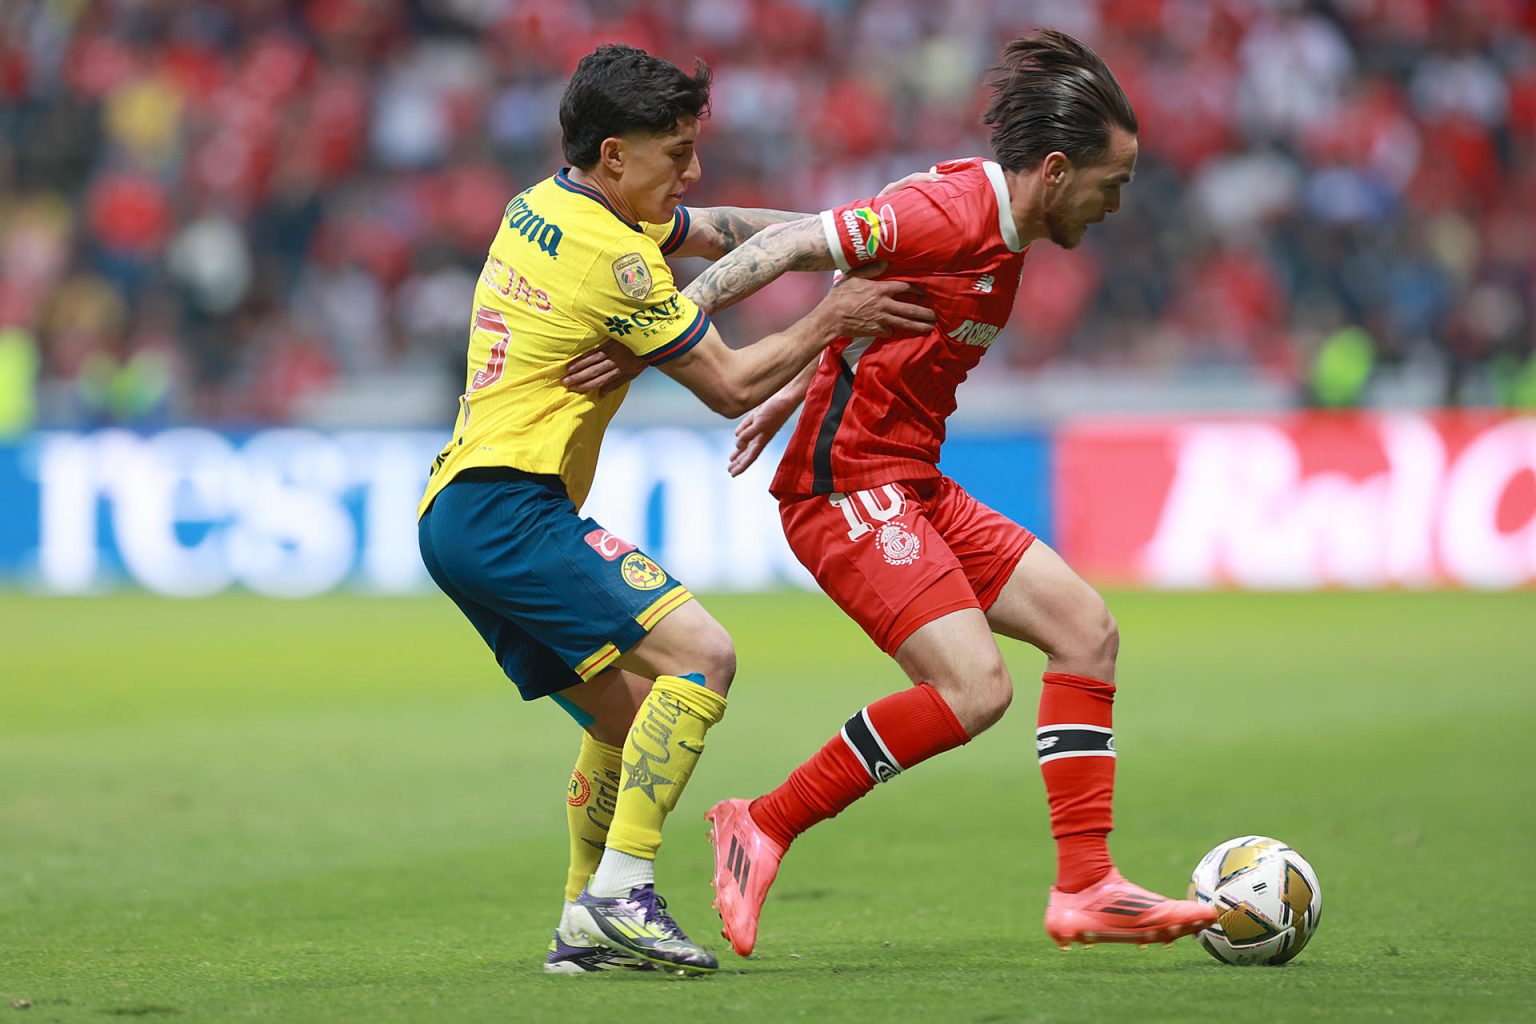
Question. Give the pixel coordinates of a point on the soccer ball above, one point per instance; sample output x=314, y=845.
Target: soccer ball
x=1268, y=896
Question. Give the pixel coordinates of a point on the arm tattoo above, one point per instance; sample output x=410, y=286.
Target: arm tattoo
x=732, y=225
x=801, y=245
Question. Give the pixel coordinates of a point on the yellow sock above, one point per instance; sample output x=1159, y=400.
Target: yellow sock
x=589, y=810
x=659, y=754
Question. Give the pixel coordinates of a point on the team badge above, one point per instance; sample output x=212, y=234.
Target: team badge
x=898, y=544
x=640, y=572
x=580, y=789
x=633, y=275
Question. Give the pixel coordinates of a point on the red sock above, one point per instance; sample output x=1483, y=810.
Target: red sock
x=1076, y=744
x=891, y=735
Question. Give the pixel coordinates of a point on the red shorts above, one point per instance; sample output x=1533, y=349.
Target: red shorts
x=898, y=556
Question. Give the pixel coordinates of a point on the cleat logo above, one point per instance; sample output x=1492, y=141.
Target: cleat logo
x=740, y=865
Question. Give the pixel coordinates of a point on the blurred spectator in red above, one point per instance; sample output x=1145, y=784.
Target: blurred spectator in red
x=264, y=202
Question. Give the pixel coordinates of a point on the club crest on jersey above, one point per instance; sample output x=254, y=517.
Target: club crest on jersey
x=899, y=545
x=579, y=790
x=640, y=572
x=633, y=276
x=871, y=233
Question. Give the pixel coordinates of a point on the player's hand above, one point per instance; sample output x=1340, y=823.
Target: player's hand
x=911, y=179
x=755, y=431
x=606, y=367
x=859, y=306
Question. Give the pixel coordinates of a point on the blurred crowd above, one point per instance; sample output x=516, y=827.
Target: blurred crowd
x=228, y=210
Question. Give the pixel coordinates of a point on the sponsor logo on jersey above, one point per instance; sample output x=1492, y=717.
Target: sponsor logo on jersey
x=640, y=572
x=579, y=790
x=984, y=284
x=974, y=332
x=542, y=233
x=647, y=321
x=869, y=232
x=899, y=545
x=633, y=275
x=607, y=545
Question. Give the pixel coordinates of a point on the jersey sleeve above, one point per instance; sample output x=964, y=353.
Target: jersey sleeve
x=669, y=235
x=916, y=229
x=629, y=295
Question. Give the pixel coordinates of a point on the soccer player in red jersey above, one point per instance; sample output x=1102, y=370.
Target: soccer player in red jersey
x=929, y=572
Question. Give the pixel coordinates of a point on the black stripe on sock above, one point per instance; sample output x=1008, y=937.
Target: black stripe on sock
x=1070, y=741
x=862, y=739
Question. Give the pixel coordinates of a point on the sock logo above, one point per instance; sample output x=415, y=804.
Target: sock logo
x=578, y=791
x=1074, y=740
x=860, y=735
x=638, y=775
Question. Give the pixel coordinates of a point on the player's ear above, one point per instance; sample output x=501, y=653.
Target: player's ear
x=1055, y=168
x=610, y=153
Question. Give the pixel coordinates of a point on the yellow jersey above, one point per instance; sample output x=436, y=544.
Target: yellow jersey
x=565, y=273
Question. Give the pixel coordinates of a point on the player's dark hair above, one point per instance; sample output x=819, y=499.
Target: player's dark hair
x=1051, y=93
x=618, y=89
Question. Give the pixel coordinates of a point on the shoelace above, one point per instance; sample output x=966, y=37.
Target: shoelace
x=656, y=913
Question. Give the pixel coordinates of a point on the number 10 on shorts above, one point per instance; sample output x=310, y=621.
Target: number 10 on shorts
x=881, y=504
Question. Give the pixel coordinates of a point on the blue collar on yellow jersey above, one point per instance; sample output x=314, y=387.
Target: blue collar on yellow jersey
x=563, y=179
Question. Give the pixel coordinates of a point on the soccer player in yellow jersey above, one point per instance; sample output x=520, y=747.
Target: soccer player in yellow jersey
x=571, y=611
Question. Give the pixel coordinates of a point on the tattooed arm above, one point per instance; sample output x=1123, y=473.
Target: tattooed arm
x=717, y=230
x=798, y=245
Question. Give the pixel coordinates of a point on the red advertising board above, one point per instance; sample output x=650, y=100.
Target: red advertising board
x=1310, y=500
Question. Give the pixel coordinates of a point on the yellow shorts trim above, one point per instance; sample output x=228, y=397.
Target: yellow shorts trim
x=662, y=607
x=605, y=655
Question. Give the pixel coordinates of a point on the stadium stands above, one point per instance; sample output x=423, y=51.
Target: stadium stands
x=251, y=213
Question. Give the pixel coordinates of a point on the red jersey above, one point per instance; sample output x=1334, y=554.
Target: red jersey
x=876, y=408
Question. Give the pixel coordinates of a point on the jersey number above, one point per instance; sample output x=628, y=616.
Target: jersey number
x=489, y=320
x=883, y=504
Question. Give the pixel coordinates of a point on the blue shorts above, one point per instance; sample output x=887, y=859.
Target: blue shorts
x=555, y=596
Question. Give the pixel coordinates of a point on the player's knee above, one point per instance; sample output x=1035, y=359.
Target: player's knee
x=981, y=698
x=994, y=696
x=1094, y=643
x=714, y=656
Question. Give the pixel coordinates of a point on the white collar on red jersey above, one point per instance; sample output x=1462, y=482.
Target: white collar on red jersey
x=1005, y=222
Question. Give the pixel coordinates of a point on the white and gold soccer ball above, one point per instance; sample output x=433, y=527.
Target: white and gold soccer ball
x=1268, y=896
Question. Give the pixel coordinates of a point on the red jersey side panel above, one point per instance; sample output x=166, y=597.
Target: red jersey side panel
x=876, y=408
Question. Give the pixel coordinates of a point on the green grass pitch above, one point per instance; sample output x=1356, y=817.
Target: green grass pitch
x=334, y=810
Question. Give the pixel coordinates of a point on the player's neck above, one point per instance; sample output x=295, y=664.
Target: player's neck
x=1026, y=203
x=607, y=187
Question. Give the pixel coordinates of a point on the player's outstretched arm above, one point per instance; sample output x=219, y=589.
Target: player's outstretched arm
x=732, y=381
x=716, y=230
x=760, y=425
x=798, y=245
